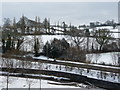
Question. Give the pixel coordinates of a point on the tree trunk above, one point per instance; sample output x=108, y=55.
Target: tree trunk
x=29, y=87
x=100, y=49
x=40, y=81
x=40, y=75
x=7, y=80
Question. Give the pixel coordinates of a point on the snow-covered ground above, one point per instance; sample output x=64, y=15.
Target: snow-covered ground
x=44, y=38
x=101, y=58
x=15, y=82
x=115, y=35
x=106, y=58
x=29, y=40
x=105, y=27
x=89, y=57
x=102, y=75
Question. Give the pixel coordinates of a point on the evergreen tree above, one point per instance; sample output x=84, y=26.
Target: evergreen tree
x=14, y=25
x=23, y=25
x=70, y=26
x=36, y=24
x=3, y=46
x=36, y=47
x=19, y=42
x=64, y=26
x=12, y=44
x=45, y=23
x=56, y=48
x=8, y=43
x=39, y=24
x=47, y=49
x=55, y=52
x=49, y=26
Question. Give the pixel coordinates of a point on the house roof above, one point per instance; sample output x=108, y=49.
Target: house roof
x=29, y=22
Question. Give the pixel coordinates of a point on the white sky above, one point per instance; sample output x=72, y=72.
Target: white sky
x=60, y=0
x=74, y=12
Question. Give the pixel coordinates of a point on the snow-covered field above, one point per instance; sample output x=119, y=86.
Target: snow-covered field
x=115, y=35
x=106, y=58
x=89, y=55
x=15, y=82
x=29, y=40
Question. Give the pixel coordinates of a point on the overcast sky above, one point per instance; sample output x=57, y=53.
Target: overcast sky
x=77, y=13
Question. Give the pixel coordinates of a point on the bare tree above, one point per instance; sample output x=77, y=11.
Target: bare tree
x=76, y=50
x=29, y=82
x=9, y=64
x=77, y=37
x=102, y=37
x=40, y=67
x=7, y=23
